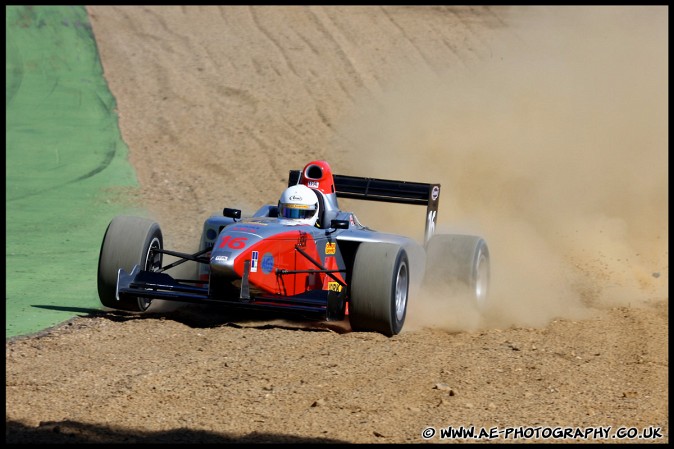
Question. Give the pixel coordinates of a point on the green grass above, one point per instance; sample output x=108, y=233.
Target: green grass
x=67, y=169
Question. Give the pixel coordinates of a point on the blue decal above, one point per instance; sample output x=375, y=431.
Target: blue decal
x=267, y=263
x=253, y=262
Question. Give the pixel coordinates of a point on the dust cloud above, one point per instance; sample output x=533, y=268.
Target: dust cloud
x=554, y=149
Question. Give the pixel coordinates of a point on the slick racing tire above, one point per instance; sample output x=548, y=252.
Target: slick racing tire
x=128, y=241
x=459, y=261
x=379, y=288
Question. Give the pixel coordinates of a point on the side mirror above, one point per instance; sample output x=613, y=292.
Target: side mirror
x=339, y=224
x=231, y=213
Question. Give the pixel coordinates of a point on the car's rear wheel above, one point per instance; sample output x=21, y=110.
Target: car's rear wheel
x=459, y=261
x=379, y=288
x=128, y=241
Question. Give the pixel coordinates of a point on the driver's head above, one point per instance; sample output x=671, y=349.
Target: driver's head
x=298, y=205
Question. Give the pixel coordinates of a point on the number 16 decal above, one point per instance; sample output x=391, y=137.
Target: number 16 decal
x=234, y=243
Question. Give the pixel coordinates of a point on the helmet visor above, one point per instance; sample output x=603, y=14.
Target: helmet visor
x=295, y=212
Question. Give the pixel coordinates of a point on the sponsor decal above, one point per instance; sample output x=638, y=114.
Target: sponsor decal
x=330, y=248
x=295, y=198
x=253, y=262
x=224, y=257
x=430, y=227
x=313, y=184
x=334, y=286
x=435, y=193
x=267, y=263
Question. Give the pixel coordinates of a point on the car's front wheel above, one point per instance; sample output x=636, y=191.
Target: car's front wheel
x=379, y=288
x=128, y=241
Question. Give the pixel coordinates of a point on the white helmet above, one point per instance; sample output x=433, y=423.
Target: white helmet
x=298, y=205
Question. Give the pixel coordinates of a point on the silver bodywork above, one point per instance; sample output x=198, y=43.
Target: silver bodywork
x=260, y=226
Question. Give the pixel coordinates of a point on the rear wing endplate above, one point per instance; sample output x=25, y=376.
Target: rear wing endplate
x=386, y=190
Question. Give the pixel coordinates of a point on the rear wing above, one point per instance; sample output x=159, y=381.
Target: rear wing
x=389, y=191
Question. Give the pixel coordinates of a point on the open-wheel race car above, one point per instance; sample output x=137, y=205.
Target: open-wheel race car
x=302, y=256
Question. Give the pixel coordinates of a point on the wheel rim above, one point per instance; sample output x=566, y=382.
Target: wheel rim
x=401, y=291
x=482, y=281
x=151, y=264
x=154, y=263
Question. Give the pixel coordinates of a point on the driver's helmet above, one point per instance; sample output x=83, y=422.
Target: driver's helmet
x=298, y=205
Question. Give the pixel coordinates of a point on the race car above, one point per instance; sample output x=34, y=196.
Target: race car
x=302, y=256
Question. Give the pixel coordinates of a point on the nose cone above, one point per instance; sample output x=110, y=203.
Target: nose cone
x=233, y=243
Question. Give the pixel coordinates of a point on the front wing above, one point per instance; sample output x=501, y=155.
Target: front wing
x=316, y=304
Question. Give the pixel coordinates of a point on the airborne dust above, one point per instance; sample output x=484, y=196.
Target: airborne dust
x=554, y=149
